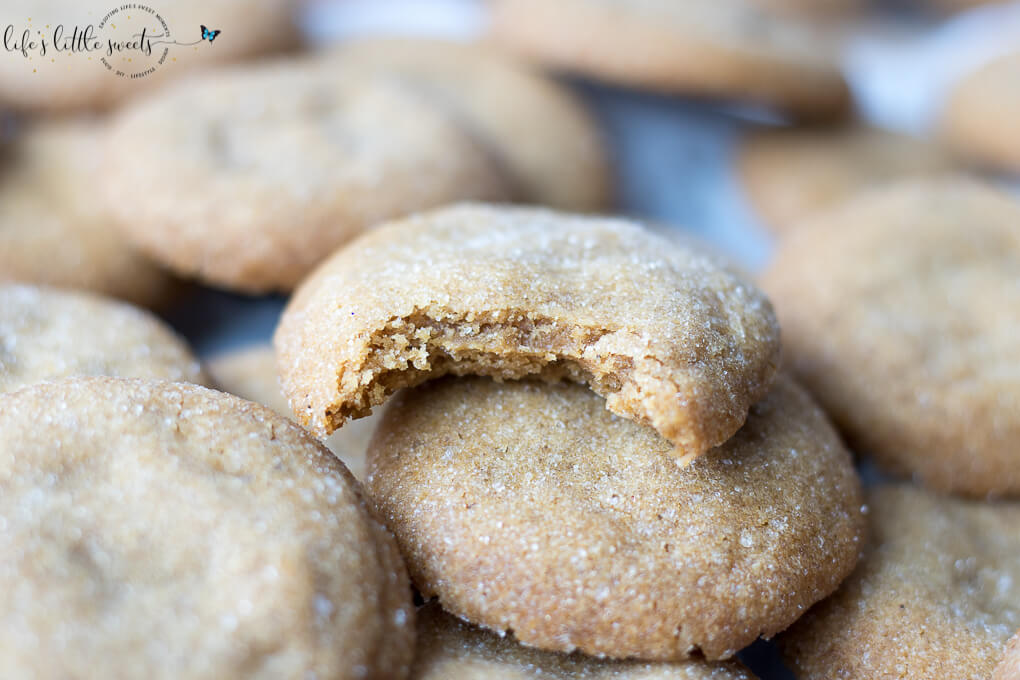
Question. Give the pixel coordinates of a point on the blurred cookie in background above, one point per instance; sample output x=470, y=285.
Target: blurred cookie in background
x=247, y=177
x=92, y=54
x=900, y=311
x=538, y=131
x=790, y=174
x=937, y=594
x=981, y=115
x=451, y=649
x=1009, y=667
x=731, y=50
x=250, y=372
x=47, y=334
x=55, y=230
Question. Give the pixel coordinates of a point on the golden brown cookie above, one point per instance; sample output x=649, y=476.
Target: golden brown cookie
x=250, y=373
x=669, y=335
x=450, y=649
x=1009, y=667
x=247, y=177
x=936, y=596
x=901, y=311
x=529, y=507
x=981, y=112
x=53, y=230
x=69, y=79
x=164, y=530
x=728, y=49
x=48, y=334
x=791, y=174
x=541, y=135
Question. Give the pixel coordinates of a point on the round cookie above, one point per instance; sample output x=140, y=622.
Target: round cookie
x=165, y=530
x=936, y=596
x=286, y=161
x=900, y=312
x=65, y=80
x=1009, y=667
x=48, y=334
x=669, y=335
x=528, y=507
x=791, y=174
x=729, y=49
x=449, y=649
x=52, y=229
x=541, y=135
x=981, y=112
x=250, y=373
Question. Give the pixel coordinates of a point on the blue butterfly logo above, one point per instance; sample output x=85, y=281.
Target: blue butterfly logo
x=209, y=35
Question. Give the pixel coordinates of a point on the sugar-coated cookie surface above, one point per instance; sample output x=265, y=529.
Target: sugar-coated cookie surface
x=250, y=373
x=53, y=230
x=65, y=80
x=165, y=530
x=450, y=649
x=936, y=596
x=901, y=312
x=1009, y=667
x=538, y=131
x=669, y=335
x=981, y=112
x=527, y=506
x=791, y=174
x=247, y=177
x=729, y=48
x=48, y=334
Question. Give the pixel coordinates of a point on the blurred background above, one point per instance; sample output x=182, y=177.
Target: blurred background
x=675, y=157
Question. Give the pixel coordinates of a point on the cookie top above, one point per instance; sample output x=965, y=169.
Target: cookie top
x=669, y=335
x=540, y=134
x=731, y=49
x=791, y=174
x=936, y=596
x=900, y=312
x=165, y=530
x=53, y=230
x=48, y=334
x=981, y=112
x=528, y=507
x=65, y=80
x=450, y=649
x=1009, y=667
x=250, y=373
x=285, y=178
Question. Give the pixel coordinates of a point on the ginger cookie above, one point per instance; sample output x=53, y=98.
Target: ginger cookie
x=981, y=113
x=539, y=133
x=790, y=174
x=54, y=231
x=248, y=177
x=731, y=49
x=669, y=335
x=528, y=507
x=450, y=649
x=165, y=530
x=48, y=334
x=250, y=373
x=936, y=596
x=80, y=77
x=900, y=312
x=1009, y=667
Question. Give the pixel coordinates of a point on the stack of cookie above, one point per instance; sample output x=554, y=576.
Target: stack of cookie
x=613, y=464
